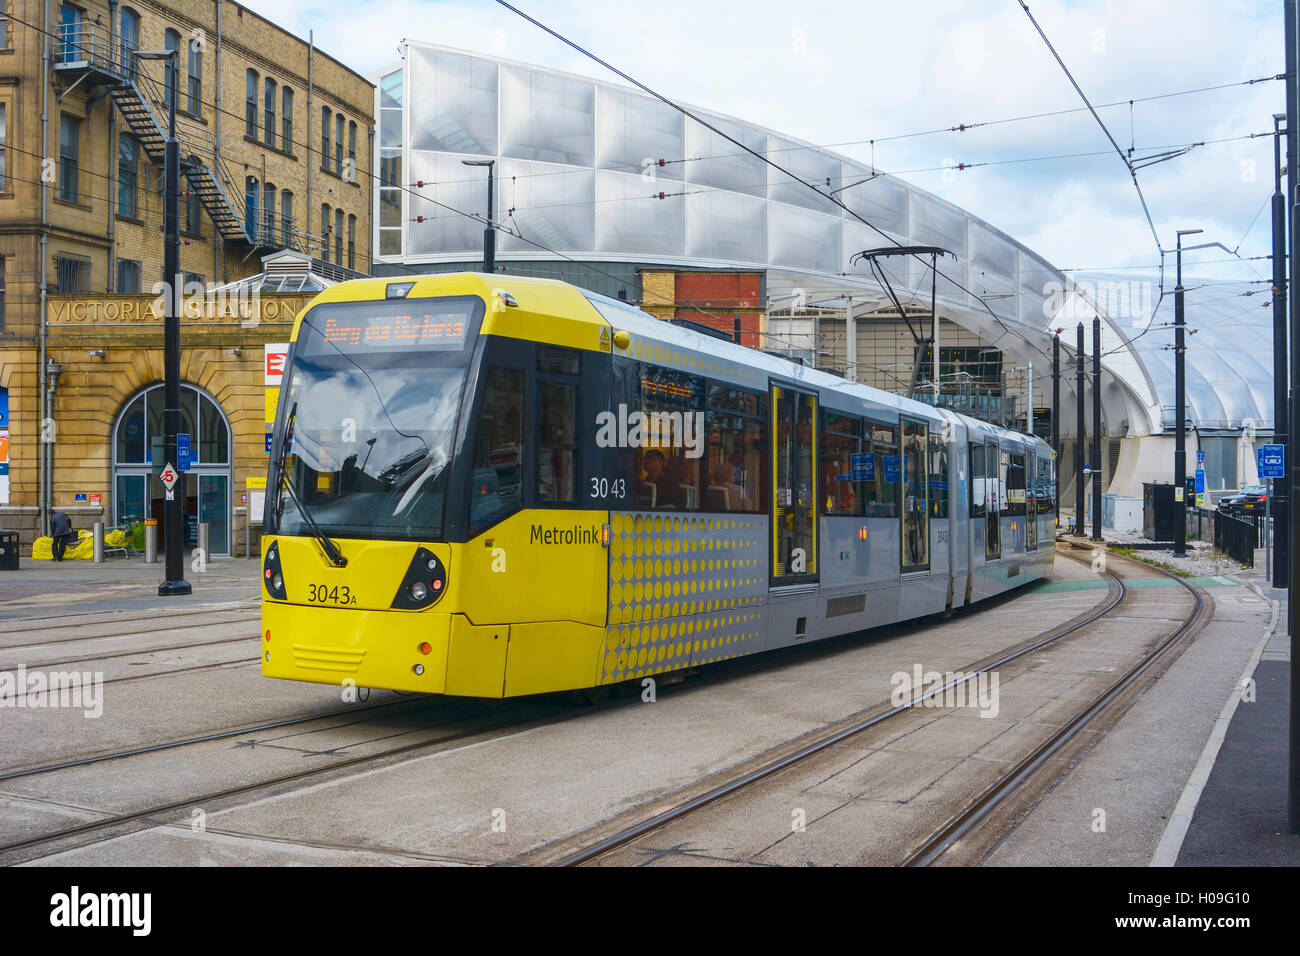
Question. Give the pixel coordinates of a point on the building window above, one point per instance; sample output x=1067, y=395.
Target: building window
x=194, y=89
x=72, y=274
x=3, y=182
x=250, y=104
x=268, y=121
x=325, y=231
x=286, y=218
x=130, y=40
x=69, y=33
x=338, y=145
x=324, y=137
x=251, y=196
x=192, y=214
x=172, y=43
x=352, y=149
x=338, y=236
x=128, y=276
x=268, y=214
x=5, y=40
x=352, y=242
x=69, y=156
x=128, y=176
x=286, y=119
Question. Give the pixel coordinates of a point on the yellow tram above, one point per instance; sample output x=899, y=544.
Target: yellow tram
x=494, y=486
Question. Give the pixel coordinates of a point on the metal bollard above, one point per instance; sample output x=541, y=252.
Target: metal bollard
x=151, y=542
x=99, y=542
x=203, y=542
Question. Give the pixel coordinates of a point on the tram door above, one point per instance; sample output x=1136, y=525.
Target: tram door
x=916, y=497
x=794, y=505
x=992, y=502
x=1031, y=503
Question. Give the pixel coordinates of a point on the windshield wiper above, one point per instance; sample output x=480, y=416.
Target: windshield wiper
x=329, y=547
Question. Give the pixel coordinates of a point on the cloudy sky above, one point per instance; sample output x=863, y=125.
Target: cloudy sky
x=845, y=73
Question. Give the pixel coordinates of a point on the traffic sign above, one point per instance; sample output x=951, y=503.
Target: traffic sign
x=182, y=452
x=1272, y=461
x=1200, y=457
x=168, y=476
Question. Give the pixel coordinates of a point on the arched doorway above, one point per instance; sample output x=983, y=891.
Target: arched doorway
x=138, y=431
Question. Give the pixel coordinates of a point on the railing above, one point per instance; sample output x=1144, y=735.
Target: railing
x=1236, y=537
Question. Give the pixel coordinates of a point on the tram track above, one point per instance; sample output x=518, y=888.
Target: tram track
x=576, y=851
x=135, y=632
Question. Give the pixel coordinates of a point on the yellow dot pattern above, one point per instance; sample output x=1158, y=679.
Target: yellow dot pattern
x=683, y=590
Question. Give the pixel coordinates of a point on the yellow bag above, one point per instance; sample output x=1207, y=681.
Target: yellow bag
x=116, y=539
x=82, y=550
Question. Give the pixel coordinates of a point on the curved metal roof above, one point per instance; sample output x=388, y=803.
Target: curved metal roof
x=597, y=172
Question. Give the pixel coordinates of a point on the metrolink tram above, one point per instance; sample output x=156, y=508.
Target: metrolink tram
x=491, y=486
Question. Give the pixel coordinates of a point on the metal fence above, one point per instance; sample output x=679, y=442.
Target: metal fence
x=1236, y=537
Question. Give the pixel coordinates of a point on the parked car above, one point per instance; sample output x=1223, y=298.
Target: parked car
x=1252, y=498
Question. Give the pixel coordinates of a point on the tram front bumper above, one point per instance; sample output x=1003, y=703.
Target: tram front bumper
x=390, y=650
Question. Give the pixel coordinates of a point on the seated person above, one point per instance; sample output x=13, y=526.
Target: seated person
x=724, y=493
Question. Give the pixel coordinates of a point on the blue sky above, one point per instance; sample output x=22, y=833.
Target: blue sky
x=830, y=73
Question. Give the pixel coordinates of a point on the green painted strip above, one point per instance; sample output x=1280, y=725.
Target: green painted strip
x=1057, y=587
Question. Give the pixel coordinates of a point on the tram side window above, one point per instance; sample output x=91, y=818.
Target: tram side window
x=977, y=492
x=498, y=442
x=880, y=497
x=839, y=447
x=1016, y=485
x=557, y=442
x=938, y=476
x=1004, y=464
x=1045, y=490
x=670, y=439
x=736, y=463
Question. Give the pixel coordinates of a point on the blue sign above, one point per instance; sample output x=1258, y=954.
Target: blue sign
x=1200, y=481
x=79, y=497
x=268, y=443
x=1272, y=461
x=893, y=468
x=1200, y=457
x=863, y=465
x=182, y=452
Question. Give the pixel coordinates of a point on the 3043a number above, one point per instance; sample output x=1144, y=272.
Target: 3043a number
x=607, y=488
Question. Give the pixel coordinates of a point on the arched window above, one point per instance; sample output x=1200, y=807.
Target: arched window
x=128, y=176
x=250, y=206
x=324, y=137
x=325, y=231
x=352, y=242
x=194, y=88
x=286, y=119
x=338, y=236
x=250, y=104
x=352, y=148
x=338, y=144
x=137, y=496
x=286, y=219
x=268, y=215
x=268, y=124
x=130, y=40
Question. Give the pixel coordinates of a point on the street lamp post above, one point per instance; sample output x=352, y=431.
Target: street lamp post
x=1180, y=407
x=174, y=504
x=489, y=232
x=1278, y=491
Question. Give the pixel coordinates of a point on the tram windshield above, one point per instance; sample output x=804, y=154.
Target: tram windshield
x=369, y=420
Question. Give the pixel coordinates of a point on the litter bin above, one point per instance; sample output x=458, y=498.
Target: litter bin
x=8, y=550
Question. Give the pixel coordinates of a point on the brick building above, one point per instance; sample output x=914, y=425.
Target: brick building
x=275, y=143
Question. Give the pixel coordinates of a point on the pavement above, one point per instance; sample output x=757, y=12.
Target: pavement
x=55, y=588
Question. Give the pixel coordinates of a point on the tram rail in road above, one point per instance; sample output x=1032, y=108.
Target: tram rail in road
x=963, y=822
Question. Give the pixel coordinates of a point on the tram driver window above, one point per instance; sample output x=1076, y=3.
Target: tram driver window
x=498, y=442
x=557, y=443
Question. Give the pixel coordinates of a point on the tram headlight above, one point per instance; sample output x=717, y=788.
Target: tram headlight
x=272, y=577
x=423, y=584
x=418, y=590
x=277, y=582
